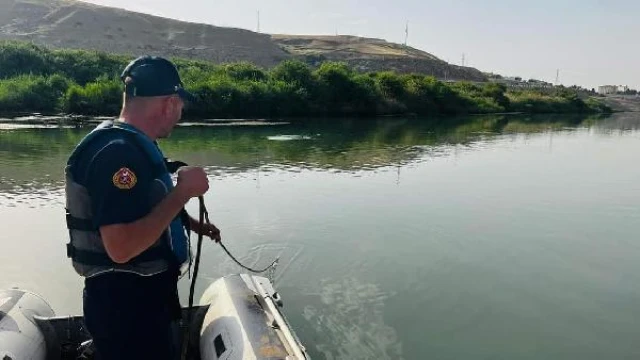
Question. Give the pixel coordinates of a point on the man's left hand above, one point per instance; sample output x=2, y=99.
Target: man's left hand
x=208, y=230
x=212, y=232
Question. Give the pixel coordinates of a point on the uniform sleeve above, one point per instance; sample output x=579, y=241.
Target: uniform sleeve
x=118, y=182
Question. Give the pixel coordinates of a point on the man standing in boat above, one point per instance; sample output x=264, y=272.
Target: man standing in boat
x=126, y=221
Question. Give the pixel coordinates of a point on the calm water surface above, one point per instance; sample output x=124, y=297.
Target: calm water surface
x=483, y=238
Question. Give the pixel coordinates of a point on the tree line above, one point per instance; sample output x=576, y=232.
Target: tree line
x=37, y=79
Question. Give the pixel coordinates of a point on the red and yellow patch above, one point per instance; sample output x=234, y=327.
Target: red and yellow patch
x=124, y=179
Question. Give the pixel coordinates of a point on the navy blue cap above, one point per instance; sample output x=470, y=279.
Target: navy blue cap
x=154, y=76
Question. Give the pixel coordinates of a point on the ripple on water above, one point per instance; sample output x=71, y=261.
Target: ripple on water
x=349, y=321
x=288, y=137
x=40, y=196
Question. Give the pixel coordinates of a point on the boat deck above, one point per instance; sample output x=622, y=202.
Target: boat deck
x=65, y=335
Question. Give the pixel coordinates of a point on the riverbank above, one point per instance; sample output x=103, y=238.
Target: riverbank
x=622, y=103
x=37, y=79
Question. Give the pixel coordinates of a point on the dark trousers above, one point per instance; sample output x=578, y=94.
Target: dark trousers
x=132, y=317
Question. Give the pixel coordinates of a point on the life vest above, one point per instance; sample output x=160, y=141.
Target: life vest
x=86, y=249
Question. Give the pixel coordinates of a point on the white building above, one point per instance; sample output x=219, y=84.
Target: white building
x=612, y=89
x=607, y=89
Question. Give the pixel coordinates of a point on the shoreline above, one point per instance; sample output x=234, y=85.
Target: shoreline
x=36, y=118
x=40, y=80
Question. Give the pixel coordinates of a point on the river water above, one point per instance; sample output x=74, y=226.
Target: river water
x=470, y=238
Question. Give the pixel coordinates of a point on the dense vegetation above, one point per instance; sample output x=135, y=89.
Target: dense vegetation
x=34, y=78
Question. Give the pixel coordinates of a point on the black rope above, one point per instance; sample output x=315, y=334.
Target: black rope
x=246, y=267
x=187, y=330
x=257, y=271
x=204, y=219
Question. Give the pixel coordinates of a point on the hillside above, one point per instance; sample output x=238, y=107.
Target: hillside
x=71, y=24
x=368, y=54
x=74, y=24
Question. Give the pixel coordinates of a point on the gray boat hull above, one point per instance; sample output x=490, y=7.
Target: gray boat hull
x=238, y=317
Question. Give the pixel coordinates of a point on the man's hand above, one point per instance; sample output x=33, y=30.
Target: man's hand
x=212, y=232
x=192, y=181
x=208, y=230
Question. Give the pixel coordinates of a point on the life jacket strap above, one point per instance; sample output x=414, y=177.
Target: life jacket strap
x=74, y=223
x=91, y=258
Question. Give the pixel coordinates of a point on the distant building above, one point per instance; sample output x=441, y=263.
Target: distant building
x=607, y=89
x=519, y=83
x=539, y=83
x=612, y=89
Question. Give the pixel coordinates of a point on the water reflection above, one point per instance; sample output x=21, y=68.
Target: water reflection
x=32, y=156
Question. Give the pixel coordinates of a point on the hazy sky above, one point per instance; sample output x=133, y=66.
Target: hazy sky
x=592, y=42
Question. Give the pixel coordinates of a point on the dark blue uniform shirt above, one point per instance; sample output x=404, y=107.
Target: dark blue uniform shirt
x=96, y=168
x=124, y=312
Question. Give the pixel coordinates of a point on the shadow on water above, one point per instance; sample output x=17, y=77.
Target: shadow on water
x=33, y=156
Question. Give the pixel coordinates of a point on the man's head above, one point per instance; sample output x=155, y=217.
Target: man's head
x=154, y=94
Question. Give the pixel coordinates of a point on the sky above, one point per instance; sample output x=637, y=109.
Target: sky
x=590, y=42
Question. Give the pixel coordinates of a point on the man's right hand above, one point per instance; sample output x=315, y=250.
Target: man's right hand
x=192, y=181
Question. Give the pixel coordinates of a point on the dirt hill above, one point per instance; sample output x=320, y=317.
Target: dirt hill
x=368, y=54
x=71, y=24
x=74, y=24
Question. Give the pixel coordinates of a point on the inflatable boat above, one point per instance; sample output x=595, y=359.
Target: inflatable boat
x=239, y=317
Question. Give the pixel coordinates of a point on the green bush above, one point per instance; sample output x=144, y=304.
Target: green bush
x=32, y=92
x=86, y=66
x=391, y=85
x=244, y=71
x=290, y=99
x=497, y=93
x=22, y=58
x=102, y=97
x=34, y=78
x=596, y=106
x=296, y=73
x=81, y=66
x=563, y=102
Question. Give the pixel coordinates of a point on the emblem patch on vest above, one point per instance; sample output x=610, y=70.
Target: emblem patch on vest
x=124, y=179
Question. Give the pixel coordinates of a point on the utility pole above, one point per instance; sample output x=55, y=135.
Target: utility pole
x=462, y=59
x=406, y=34
x=557, y=77
x=258, y=18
